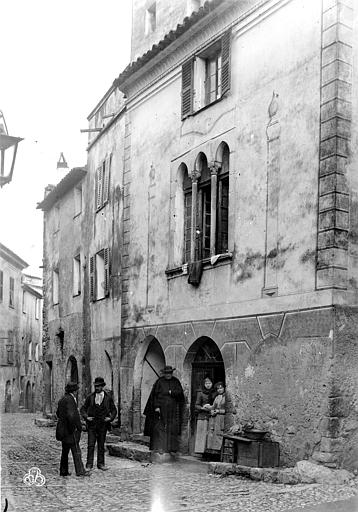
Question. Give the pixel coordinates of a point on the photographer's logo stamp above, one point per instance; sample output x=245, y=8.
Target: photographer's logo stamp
x=34, y=477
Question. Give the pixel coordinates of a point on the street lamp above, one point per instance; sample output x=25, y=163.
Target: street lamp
x=6, y=142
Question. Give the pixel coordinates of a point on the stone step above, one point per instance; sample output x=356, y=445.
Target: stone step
x=45, y=422
x=128, y=450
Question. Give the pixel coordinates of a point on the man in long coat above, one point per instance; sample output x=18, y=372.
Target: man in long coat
x=164, y=413
x=68, y=431
x=98, y=411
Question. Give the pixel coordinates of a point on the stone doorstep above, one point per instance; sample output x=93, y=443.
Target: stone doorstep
x=141, y=453
x=129, y=450
x=292, y=476
x=45, y=422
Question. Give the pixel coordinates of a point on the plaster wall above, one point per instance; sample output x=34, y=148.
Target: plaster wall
x=62, y=242
x=289, y=65
x=10, y=318
x=102, y=229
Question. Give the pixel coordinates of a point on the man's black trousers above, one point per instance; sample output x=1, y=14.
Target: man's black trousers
x=96, y=433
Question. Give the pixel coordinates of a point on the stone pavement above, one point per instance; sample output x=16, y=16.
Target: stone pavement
x=135, y=486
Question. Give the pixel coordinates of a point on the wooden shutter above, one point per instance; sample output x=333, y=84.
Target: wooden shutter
x=106, y=179
x=106, y=271
x=187, y=88
x=99, y=187
x=225, y=62
x=92, y=278
x=223, y=215
x=187, y=225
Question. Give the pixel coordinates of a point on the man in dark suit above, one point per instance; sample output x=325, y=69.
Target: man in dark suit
x=98, y=411
x=68, y=431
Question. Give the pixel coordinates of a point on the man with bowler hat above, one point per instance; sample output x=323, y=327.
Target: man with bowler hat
x=68, y=431
x=98, y=411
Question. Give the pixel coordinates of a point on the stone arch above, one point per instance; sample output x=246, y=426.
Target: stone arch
x=203, y=357
x=28, y=396
x=183, y=186
x=72, y=370
x=201, y=163
x=148, y=363
x=8, y=396
x=222, y=157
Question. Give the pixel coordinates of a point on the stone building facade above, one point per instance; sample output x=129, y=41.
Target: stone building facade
x=224, y=241
x=82, y=236
x=20, y=335
x=239, y=157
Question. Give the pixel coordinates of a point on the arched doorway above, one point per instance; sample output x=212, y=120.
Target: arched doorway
x=203, y=358
x=108, y=371
x=150, y=360
x=28, y=397
x=48, y=386
x=8, y=396
x=72, y=370
x=33, y=398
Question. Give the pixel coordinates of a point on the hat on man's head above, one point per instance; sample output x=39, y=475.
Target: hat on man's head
x=168, y=369
x=99, y=381
x=71, y=387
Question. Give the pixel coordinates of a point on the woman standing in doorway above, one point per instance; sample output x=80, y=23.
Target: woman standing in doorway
x=217, y=419
x=204, y=401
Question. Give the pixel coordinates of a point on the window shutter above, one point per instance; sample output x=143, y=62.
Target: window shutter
x=187, y=88
x=187, y=225
x=99, y=187
x=1, y=285
x=106, y=271
x=92, y=278
x=106, y=181
x=225, y=62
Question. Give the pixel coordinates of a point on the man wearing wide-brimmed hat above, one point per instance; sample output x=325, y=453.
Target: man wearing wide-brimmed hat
x=68, y=431
x=164, y=413
x=98, y=411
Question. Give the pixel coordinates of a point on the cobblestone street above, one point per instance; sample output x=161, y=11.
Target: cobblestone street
x=133, y=486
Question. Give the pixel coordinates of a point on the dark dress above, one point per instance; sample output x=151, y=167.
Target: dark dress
x=164, y=428
x=97, y=428
x=68, y=431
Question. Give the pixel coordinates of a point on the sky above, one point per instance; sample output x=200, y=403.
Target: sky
x=57, y=60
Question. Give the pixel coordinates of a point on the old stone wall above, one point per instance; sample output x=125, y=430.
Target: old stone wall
x=278, y=369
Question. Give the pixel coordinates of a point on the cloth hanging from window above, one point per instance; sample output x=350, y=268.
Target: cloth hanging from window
x=195, y=272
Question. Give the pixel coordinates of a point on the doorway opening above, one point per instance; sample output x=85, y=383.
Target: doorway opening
x=203, y=359
x=28, y=397
x=8, y=396
x=149, y=362
x=72, y=370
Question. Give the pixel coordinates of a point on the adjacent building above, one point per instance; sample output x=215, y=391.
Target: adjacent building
x=20, y=335
x=224, y=241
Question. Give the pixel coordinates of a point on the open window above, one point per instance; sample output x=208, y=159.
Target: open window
x=100, y=275
x=206, y=76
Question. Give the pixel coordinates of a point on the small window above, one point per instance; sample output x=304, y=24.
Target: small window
x=103, y=183
x=99, y=275
x=37, y=308
x=30, y=350
x=78, y=200
x=77, y=275
x=55, y=286
x=36, y=352
x=1, y=285
x=12, y=292
x=206, y=76
x=24, y=302
x=151, y=19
